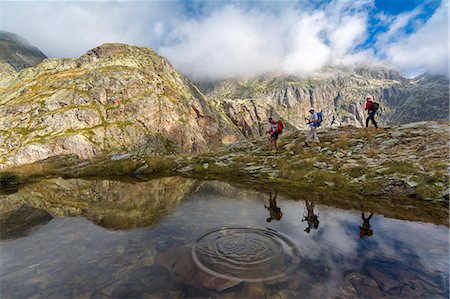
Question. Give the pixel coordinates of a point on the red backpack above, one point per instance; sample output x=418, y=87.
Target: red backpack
x=280, y=127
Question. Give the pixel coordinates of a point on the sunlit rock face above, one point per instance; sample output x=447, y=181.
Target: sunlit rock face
x=113, y=205
x=338, y=92
x=114, y=98
x=18, y=52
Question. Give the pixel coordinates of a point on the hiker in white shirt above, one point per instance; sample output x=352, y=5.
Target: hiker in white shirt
x=312, y=122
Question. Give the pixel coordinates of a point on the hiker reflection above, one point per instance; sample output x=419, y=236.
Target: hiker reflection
x=310, y=217
x=364, y=229
x=274, y=211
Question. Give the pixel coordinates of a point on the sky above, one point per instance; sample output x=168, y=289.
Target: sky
x=209, y=40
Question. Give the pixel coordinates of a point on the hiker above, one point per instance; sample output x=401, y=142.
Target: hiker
x=310, y=217
x=364, y=229
x=276, y=128
x=274, y=211
x=314, y=122
x=371, y=108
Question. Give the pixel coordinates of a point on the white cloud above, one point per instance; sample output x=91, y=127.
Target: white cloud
x=216, y=40
x=235, y=41
x=69, y=29
x=424, y=50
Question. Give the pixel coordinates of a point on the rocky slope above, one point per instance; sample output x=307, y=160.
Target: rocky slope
x=114, y=98
x=338, y=92
x=18, y=52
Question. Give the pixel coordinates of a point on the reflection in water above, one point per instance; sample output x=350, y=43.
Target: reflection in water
x=274, y=210
x=114, y=205
x=364, y=229
x=311, y=218
x=209, y=239
x=20, y=222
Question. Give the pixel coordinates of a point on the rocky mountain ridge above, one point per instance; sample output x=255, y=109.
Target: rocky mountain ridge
x=339, y=92
x=18, y=52
x=114, y=98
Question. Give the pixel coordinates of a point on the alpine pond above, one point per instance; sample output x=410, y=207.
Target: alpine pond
x=175, y=237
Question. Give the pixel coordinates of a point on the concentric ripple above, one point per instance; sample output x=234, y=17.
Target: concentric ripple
x=247, y=254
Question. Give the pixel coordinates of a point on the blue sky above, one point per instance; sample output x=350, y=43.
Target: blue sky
x=219, y=39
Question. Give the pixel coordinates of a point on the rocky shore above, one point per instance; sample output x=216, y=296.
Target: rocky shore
x=400, y=171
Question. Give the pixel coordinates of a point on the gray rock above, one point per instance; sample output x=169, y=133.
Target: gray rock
x=220, y=164
x=339, y=155
x=186, y=169
x=412, y=184
x=116, y=157
x=321, y=165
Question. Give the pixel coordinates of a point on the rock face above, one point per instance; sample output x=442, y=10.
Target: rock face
x=18, y=52
x=114, y=98
x=338, y=92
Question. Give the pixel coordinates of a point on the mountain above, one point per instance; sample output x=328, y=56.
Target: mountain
x=115, y=98
x=18, y=52
x=339, y=92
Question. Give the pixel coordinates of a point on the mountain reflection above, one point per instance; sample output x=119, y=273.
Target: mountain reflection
x=114, y=205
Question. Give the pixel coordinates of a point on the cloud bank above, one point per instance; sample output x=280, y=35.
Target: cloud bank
x=215, y=40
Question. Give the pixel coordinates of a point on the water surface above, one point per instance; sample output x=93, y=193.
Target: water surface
x=180, y=238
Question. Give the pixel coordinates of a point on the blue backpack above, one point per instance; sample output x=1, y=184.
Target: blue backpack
x=320, y=118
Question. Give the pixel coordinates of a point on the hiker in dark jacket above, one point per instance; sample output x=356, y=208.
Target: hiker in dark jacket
x=274, y=211
x=364, y=229
x=370, y=108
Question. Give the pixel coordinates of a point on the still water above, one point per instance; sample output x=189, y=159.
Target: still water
x=181, y=238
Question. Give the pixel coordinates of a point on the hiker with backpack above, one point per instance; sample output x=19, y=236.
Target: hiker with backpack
x=311, y=218
x=276, y=128
x=364, y=229
x=314, y=122
x=274, y=211
x=371, y=108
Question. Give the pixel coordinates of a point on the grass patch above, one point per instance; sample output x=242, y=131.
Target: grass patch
x=403, y=167
x=356, y=172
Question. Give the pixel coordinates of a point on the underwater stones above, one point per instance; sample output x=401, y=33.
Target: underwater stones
x=364, y=285
x=219, y=284
x=255, y=290
x=205, y=165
